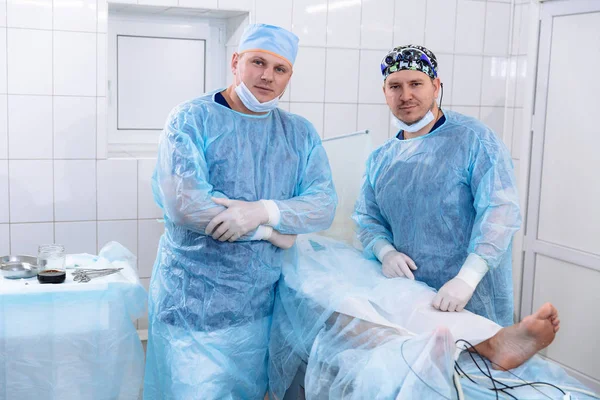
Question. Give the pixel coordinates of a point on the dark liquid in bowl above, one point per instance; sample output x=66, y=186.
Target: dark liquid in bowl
x=52, y=276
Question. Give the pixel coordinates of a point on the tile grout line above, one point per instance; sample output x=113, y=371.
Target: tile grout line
x=362, y=10
x=96, y=120
x=485, y=31
x=454, y=49
x=8, y=139
x=325, y=72
x=290, y=86
x=389, y=125
x=425, y=24
x=137, y=214
x=52, y=72
x=507, y=84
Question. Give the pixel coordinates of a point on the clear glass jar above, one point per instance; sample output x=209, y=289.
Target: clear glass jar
x=51, y=257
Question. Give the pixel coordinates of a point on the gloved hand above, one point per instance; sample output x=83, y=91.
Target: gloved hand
x=282, y=241
x=453, y=296
x=239, y=218
x=456, y=293
x=396, y=264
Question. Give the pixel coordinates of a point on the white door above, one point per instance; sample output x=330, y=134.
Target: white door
x=562, y=237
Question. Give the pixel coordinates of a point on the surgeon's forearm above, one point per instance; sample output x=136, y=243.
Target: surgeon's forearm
x=375, y=237
x=192, y=218
x=381, y=248
x=306, y=214
x=473, y=270
x=313, y=207
x=187, y=204
x=493, y=232
x=273, y=212
x=373, y=231
x=198, y=220
x=496, y=204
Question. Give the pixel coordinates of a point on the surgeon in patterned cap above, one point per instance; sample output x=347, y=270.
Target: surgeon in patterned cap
x=439, y=202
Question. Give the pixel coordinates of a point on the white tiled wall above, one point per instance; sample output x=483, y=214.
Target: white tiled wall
x=54, y=184
x=343, y=42
x=29, y=56
x=515, y=131
x=30, y=138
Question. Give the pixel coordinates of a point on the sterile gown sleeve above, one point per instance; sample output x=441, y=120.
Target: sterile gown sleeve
x=495, y=199
x=180, y=183
x=313, y=209
x=372, y=227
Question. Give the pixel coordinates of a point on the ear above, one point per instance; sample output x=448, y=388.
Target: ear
x=436, y=84
x=235, y=59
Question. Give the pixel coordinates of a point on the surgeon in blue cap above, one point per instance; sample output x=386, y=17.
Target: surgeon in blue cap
x=439, y=201
x=237, y=179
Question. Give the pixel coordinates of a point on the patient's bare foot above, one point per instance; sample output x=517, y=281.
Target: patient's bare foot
x=512, y=346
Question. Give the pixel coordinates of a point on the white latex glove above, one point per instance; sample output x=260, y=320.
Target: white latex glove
x=239, y=218
x=456, y=293
x=396, y=264
x=453, y=296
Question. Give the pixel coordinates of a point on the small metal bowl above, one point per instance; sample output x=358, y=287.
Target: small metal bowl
x=17, y=267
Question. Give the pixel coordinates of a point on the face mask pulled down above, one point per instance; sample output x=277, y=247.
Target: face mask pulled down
x=420, y=124
x=251, y=102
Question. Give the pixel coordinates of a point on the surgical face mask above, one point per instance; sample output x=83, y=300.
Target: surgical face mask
x=420, y=124
x=251, y=102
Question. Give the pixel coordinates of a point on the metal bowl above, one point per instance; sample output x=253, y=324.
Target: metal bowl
x=17, y=267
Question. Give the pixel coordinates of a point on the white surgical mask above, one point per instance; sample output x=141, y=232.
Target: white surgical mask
x=420, y=124
x=251, y=102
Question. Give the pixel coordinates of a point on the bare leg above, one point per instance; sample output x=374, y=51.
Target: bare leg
x=514, y=345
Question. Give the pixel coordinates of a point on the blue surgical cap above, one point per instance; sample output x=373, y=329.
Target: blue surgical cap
x=270, y=39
